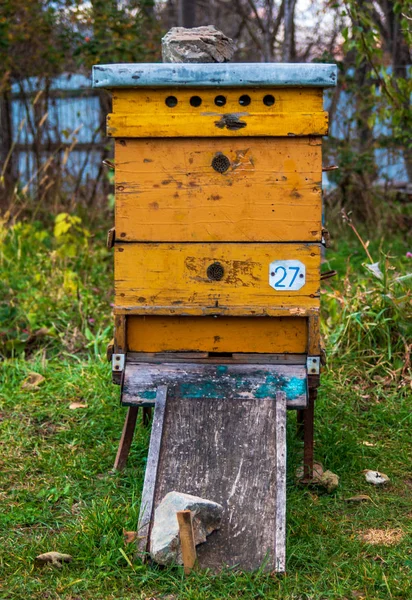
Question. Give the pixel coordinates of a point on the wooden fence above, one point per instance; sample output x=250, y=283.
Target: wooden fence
x=53, y=144
x=57, y=143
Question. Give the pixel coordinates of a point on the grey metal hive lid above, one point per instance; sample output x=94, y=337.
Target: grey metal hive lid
x=214, y=75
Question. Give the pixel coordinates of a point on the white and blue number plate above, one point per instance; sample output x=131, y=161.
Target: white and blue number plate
x=287, y=275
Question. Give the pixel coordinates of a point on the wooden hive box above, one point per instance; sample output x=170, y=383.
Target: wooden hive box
x=218, y=221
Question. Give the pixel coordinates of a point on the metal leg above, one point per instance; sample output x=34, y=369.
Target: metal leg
x=300, y=418
x=308, y=430
x=126, y=439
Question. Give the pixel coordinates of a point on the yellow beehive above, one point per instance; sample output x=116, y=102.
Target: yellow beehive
x=218, y=221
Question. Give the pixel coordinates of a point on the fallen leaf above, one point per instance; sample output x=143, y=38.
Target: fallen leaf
x=379, y=559
x=32, y=382
x=369, y=444
x=382, y=537
x=40, y=332
x=167, y=597
x=360, y=498
x=54, y=558
x=129, y=536
x=75, y=405
x=76, y=508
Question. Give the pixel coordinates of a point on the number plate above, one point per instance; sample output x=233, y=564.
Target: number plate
x=287, y=275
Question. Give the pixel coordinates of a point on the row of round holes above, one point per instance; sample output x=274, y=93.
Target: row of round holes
x=245, y=100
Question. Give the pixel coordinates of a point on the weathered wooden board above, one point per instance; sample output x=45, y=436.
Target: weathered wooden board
x=167, y=190
x=210, y=334
x=214, y=75
x=291, y=310
x=214, y=381
x=175, y=275
x=204, y=357
x=243, y=123
x=150, y=101
x=232, y=451
x=218, y=113
x=147, y=501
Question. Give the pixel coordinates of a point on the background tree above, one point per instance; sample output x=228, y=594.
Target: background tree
x=370, y=41
x=39, y=41
x=374, y=89
x=34, y=42
x=187, y=13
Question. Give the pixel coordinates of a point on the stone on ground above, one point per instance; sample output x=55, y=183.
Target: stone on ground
x=198, y=45
x=376, y=478
x=329, y=481
x=325, y=479
x=317, y=471
x=164, y=538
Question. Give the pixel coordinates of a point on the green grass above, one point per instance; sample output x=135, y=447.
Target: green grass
x=58, y=492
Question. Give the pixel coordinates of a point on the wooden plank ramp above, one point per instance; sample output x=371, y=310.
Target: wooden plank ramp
x=230, y=448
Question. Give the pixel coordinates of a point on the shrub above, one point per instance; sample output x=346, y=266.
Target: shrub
x=370, y=314
x=55, y=288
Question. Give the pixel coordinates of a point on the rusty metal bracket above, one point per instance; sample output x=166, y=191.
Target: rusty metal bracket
x=111, y=234
x=313, y=365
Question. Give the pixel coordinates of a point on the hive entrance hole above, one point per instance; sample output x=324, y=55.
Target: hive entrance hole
x=215, y=271
x=220, y=163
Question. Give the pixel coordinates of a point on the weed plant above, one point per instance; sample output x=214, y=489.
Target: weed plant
x=368, y=314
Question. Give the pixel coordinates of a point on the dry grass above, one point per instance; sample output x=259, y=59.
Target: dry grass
x=382, y=537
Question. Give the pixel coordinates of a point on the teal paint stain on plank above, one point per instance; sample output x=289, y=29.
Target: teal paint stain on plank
x=273, y=383
x=226, y=384
x=295, y=387
x=148, y=395
x=202, y=389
